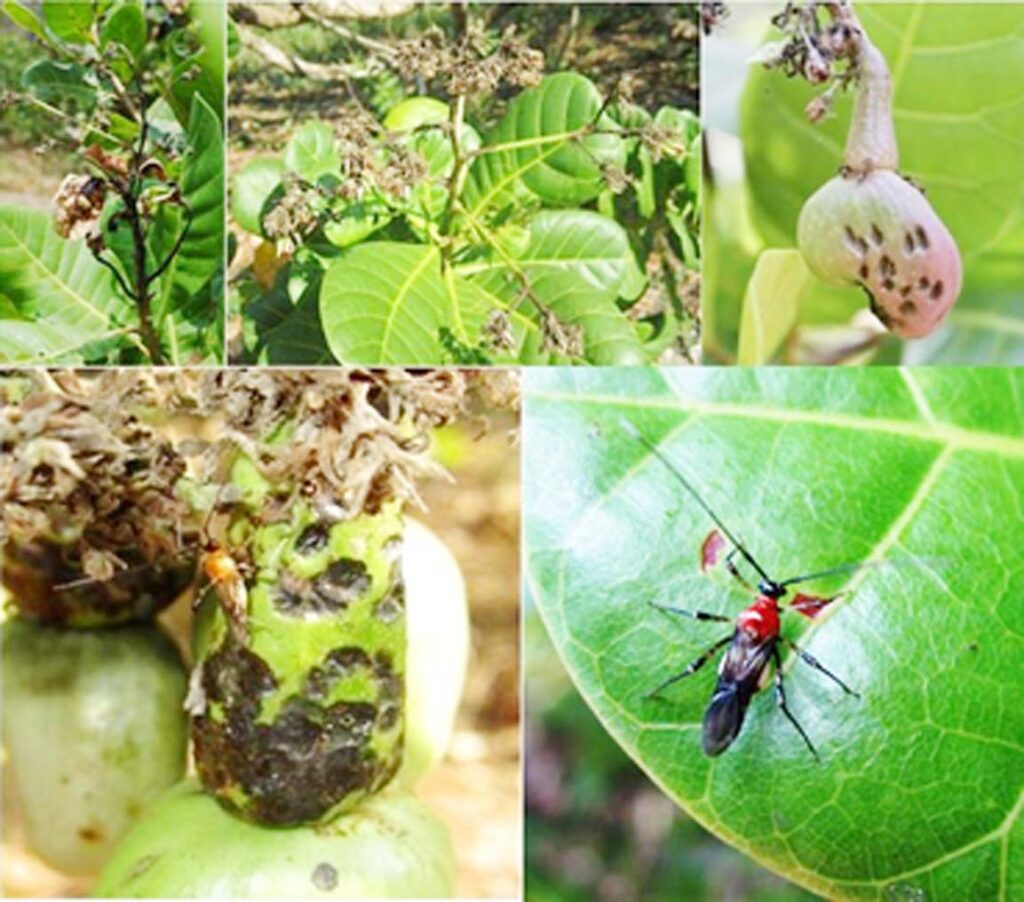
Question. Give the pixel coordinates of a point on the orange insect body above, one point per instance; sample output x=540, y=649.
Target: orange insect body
x=222, y=571
x=220, y=567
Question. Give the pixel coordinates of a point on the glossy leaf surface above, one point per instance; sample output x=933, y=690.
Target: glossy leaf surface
x=918, y=795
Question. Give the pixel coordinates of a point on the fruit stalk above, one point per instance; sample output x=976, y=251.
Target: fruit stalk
x=871, y=142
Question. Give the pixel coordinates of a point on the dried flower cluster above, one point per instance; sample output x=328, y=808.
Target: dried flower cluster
x=295, y=215
x=91, y=474
x=357, y=437
x=79, y=202
x=474, y=63
x=88, y=492
x=813, y=48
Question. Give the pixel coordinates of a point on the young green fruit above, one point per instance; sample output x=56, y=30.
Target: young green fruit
x=94, y=731
x=188, y=846
x=297, y=698
x=871, y=227
x=438, y=621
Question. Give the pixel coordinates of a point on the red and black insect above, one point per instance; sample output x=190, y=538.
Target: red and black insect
x=754, y=642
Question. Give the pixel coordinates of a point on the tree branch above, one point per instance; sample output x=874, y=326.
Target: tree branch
x=274, y=55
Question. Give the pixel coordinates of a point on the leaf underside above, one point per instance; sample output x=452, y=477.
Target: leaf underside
x=919, y=791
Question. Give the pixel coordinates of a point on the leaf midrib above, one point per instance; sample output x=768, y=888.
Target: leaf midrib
x=52, y=275
x=939, y=433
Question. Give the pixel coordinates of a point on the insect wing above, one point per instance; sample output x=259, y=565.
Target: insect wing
x=234, y=599
x=739, y=678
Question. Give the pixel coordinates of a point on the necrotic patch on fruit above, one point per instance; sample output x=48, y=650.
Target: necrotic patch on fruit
x=331, y=592
x=310, y=757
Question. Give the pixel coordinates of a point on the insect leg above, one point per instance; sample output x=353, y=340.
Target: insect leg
x=692, y=667
x=808, y=658
x=696, y=615
x=730, y=565
x=780, y=700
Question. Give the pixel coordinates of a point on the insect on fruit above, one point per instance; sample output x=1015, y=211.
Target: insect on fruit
x=754, y=642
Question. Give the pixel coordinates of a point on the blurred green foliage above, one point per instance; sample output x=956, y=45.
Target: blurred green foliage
x=21, y=123
x=597, y=828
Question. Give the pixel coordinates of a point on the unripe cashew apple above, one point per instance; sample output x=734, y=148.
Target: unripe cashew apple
x=188, y=846
x=94, y=731
x=437, y=620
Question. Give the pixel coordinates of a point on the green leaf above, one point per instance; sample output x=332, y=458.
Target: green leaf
x=385, y=303
x=188, y=310
x=312, y=152
x=54, y=82
x=415, y=112
x=23, y=16
x=918, y=793
x=69, y=20
x=251, y=187
x=66, y=301
x=435, y=147
x=962, y=141
x=771, y=305
x=126, y=26
x=542, y=152
x=289, y=333
x=589, y=246
x=357, y=222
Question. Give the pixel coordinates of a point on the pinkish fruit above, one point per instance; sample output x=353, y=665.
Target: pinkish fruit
x=870, y=226
x=880, y=232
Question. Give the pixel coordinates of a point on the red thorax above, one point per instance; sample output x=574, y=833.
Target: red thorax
x=761, y=620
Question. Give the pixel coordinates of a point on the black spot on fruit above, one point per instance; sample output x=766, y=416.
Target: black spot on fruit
x=330, y=593
x=305, y=761
x=314, y=538
x=392, y=606
x=340, y=664
x=343, y=582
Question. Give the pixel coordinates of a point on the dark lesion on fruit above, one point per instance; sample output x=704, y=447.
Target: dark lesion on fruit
x=343, y=582
x=306, y=760
x=391, y=607
x=313, y=539
x=340, y=664
x=390, y=693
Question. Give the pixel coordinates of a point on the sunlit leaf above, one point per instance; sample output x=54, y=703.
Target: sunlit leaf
x=918, y=793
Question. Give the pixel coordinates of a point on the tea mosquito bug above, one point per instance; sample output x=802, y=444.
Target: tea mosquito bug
x=754, y=642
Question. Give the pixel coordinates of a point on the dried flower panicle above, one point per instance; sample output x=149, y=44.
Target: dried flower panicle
x=294, y=216
x=812, y=49
x=357, y=438
x=95, y=467
x=473, y=64
x=498, y=331
x=561, y=338
x=615, y=177
x=88, y=490
x=79, y=201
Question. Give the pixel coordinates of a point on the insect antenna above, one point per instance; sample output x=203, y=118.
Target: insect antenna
x=847, y=568
x=647, y=443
